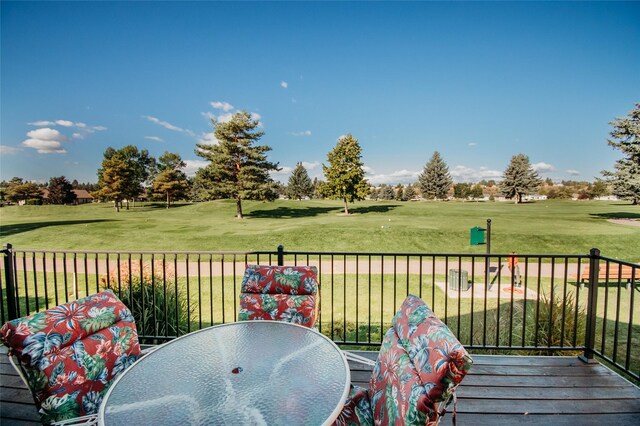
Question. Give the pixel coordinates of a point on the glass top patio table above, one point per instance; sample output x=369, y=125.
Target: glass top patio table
x=244, y=373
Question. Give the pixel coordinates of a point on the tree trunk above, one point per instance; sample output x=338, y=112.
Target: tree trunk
x=168, y=200
x=346, y=207
x=239, y=208
x=117, y=206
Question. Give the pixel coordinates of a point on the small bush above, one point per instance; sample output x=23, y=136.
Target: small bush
x=158, y=308
x=556, y=322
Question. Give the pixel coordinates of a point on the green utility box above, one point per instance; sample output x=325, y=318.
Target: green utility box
x=477, y=236
x=458, y=278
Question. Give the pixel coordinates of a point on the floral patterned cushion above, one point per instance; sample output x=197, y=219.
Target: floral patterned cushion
x=356, y=410
x=70, y=354
x=280, y=279
x=439, y=358
x=419, y=364
x=281, y=293
x=278, y=307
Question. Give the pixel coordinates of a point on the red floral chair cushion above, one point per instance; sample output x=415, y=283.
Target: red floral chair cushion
x=419, y=365
x=70, y=354
x=269, y=279
x=281, y=293
x=357, y=409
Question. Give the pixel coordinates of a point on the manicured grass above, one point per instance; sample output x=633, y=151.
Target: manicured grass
x=551, y=227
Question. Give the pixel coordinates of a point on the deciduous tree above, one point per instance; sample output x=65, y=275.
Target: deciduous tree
x=21, y=191
x=114, y=179
x=345, y=173
x=126, y=171
x=237, y=168
x=171, y=181
x=625, y=136
x=60, y=191
x=519, y=178
x=435, y=180
x=300, y=184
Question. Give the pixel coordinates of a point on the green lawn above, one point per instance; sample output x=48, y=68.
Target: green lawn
x=552, y=227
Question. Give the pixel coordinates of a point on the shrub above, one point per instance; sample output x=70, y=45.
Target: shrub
x=556, y=321
x=157, y=306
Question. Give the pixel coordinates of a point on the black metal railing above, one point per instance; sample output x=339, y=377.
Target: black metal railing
x=494, y=303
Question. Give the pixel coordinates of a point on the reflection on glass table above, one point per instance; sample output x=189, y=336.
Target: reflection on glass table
x=252, y=373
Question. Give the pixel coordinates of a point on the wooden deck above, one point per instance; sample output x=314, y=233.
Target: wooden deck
x=499, y=390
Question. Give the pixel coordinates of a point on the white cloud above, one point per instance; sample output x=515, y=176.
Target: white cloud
x=573, y=172
x=164, y=124
x=192, y=166
x=207, y=139
x=284, y=84
x=282, y=174
x=224, y=118
x=83, y=129
x=228, y=114
x=44, y=146
x=472, y=144
x=542, y=167
x=4, y=149
x=225, y=106
x=462, y=173
x=154, y=138
x=310, y=166
x=400, y=176
x=46, y=133
x=304, y=133
x=42, y=123
x=45, y=141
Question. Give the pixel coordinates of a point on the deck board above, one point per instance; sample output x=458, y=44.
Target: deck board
x=499, y=390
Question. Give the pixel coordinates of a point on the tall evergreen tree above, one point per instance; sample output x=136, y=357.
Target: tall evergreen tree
x=171, y=181
x=345, y=173
x=409, y=193
x=237, y=168
x=60, y=191
x=435, y=180
x=386, y=192
x=626, y=137
x=519, y=178
x=300, y=184
x=399, y=192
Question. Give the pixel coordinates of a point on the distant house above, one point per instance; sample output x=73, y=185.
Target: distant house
x=82, y=196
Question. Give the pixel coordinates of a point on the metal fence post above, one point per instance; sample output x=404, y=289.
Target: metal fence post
x=280, y=255
x=592, y=307
x=9, y=281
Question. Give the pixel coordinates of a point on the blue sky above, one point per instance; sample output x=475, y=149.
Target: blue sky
x=478, y=82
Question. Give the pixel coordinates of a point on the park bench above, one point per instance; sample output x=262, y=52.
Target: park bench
x=613, y=273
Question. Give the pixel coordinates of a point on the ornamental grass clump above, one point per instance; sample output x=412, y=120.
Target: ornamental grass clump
x=555, y=322
x=151, y=292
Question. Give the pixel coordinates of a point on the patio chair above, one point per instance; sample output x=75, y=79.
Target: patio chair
x=418, y=369
x=69, y=355
x=281, y=293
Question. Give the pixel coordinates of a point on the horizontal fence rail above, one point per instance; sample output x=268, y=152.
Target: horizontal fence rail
x=493, y=303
